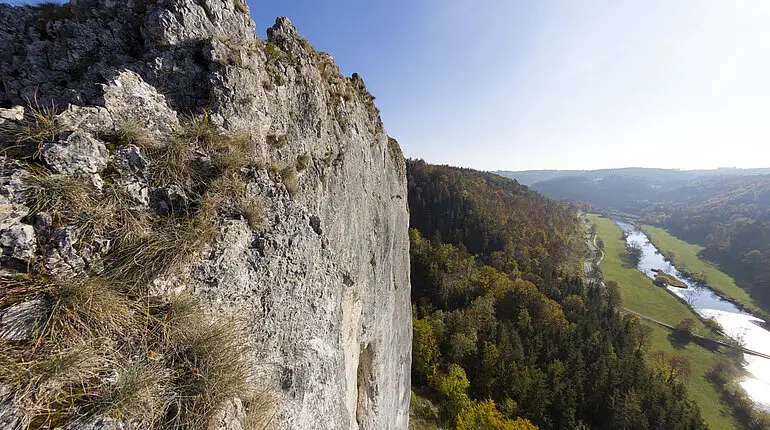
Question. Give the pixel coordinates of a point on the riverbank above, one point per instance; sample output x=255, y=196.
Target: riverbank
x=685, y=257
x=636, y=289
x=640, y=295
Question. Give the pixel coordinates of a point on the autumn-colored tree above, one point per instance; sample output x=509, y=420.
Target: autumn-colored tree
x=485, y=416
x=640, y=332
x=425, y=353
x=674, y=368
x=685, y=329
x=453, y=386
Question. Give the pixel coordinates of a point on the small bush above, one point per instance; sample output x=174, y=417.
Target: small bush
x=684, y=330
x=713, y=325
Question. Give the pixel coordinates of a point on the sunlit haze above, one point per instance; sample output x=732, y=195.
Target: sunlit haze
x=557, y=84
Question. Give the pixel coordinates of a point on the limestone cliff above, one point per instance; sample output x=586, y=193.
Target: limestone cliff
x=323, y=282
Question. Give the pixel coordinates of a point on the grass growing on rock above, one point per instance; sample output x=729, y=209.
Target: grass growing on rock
x=104, y=351
x=104, y=346
x=25, y=139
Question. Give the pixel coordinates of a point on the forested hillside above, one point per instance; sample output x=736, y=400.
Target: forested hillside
x=506, y=334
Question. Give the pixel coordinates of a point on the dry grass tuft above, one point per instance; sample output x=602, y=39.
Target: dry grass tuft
x=131, y=132
x=26, y=138
x=170, y=245
x=199, y=129
x=232, y=153
x=104, y=347
x=289, y=177
x=173, y=163
x=241, y=6
x=105, y=352
x=108, y=213
x=302, y=162
x=259, y=412
x=209, y=361
x=141, y=394
x=228, y=193
x=90, y=309
x=253, y=211
x=66, y=198
x=48, y=388
x=277, y=142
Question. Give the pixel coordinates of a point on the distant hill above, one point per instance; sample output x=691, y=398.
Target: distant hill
x=531, y=177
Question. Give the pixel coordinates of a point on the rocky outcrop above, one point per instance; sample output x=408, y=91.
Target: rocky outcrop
x=323, y=284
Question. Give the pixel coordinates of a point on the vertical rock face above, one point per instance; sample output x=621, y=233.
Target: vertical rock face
x=323, y=285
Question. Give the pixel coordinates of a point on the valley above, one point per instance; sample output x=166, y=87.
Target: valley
x=673, y=304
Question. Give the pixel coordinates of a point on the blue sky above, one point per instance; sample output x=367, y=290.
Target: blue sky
x=507, y=84
x=501, y=84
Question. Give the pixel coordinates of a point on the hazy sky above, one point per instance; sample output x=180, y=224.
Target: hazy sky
x=502, y=84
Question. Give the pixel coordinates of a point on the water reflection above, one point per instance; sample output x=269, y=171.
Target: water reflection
x=736, y=323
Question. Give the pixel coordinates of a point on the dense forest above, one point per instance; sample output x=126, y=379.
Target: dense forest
x=506, y=333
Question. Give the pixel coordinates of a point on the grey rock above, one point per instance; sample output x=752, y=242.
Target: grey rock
x=78, y=154
x=68, y=256
x=94, y=120
x=131, y=100
x=12, y=187
x=43, y=222
x=131, y=166
x=99, y=423
x=324, y=284
x=170, y=200
x=9, y=413
x=16, y=113
x=22, y=320
x=18, y=246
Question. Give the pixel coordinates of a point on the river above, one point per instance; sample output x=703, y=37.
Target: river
x=736, y=323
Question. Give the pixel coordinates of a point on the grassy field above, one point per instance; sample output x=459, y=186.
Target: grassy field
x=700, y=389
x=637, y=290
x=641, y=295
x=686, y=259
